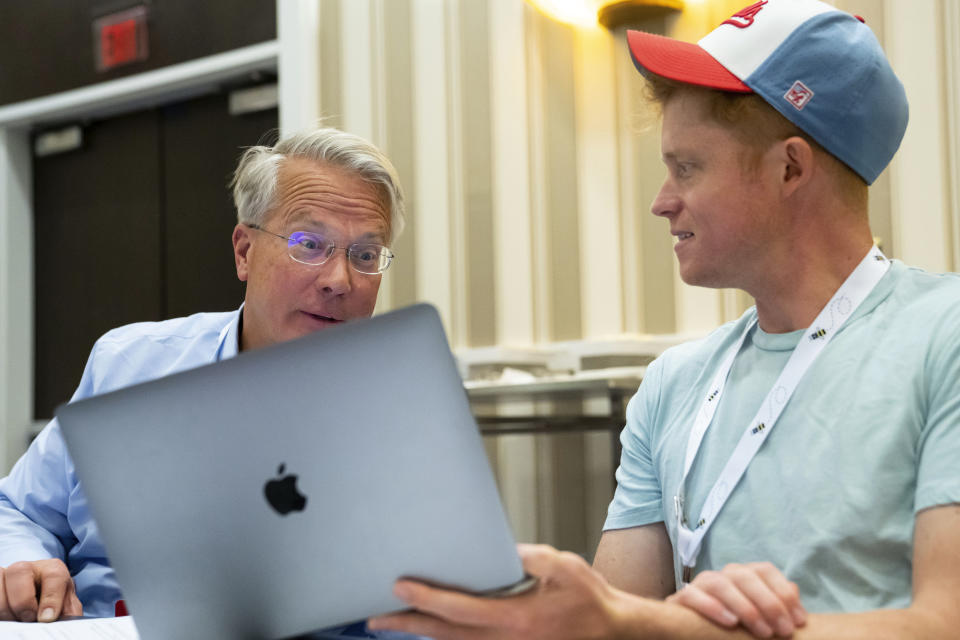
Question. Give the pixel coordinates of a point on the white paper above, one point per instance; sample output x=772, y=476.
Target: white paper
x=84, y=629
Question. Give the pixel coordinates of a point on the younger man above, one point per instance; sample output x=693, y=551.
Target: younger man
x=813, y=440
x=316, y=214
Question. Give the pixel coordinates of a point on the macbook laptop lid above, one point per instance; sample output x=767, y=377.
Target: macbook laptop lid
x=286, y=489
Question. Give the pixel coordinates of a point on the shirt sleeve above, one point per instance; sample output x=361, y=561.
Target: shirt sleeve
x=938, y=481
x=638, y=498
x=35, y=497
x=33, y=502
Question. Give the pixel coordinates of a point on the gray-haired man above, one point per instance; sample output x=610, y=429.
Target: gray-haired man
x=316, y=214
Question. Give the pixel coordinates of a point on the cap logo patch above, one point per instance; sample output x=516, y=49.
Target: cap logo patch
x=798, y=95
x=744, y=18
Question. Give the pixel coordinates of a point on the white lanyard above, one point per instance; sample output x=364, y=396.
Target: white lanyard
x=841, y=306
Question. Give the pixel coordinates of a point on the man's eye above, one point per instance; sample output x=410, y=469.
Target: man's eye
x=309, y=242
x=684, y=169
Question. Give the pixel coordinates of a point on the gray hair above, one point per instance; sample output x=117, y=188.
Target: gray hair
x=254, y=182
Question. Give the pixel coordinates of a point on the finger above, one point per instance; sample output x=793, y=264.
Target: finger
x=770, y=610
x=786, y=591
x=457, y=608
x=72, y=605
x=731, y=594
x=53, y=592
x=552, y=566
x=705, y=604
x=21, y=584
x=528, y=548
x=537, y=559
x=5, y=612
x=421, y=625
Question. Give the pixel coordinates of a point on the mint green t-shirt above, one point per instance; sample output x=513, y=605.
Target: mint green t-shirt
x=870, y=437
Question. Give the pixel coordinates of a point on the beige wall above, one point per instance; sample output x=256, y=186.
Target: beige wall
x=522, y=148
x=530, y=171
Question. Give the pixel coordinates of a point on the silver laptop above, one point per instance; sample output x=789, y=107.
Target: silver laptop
x=286, y=489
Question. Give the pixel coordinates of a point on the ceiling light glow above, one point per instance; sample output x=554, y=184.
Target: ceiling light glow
x=609, y=13
x=582, y=13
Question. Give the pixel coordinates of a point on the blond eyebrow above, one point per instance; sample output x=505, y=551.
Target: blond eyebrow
x=676, y=155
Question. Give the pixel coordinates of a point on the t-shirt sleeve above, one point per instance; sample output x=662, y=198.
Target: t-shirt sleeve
x=638, y=498
x=938, y=476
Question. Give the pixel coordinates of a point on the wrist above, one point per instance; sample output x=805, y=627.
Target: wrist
x=634, y=617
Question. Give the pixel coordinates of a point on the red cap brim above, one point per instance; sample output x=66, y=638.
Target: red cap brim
x=681, y=61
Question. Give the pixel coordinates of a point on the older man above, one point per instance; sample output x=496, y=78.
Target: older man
x=816, y=438
x=316, y=216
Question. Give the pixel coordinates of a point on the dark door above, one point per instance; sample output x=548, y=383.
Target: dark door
x=134, y=226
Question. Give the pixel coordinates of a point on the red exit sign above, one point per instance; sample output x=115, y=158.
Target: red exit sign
x=120, y=38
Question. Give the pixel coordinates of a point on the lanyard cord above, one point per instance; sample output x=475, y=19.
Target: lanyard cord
x=841, y=306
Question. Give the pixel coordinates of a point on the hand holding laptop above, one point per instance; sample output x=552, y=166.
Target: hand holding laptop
x=41, y=590
x=565, y=583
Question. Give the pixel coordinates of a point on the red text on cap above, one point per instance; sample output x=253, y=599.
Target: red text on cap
x=744, y=18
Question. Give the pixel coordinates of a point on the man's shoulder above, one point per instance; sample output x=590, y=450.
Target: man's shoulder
x=148, y=350
x=927, y=283
x=692, y=356
x=175, y=329
x=143, y=350
x=926, y=297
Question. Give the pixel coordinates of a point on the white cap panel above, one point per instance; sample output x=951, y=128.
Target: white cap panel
x=741, y=49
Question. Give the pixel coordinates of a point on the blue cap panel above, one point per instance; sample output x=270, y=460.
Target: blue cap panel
x=858, y=107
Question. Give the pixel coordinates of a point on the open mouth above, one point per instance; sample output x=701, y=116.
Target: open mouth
x=685, y=235
x=321, y=318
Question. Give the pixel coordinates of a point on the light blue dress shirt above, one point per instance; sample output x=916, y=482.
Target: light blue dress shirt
x=43, y=510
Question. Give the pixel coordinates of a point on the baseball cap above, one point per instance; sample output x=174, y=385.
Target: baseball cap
x=820, y=67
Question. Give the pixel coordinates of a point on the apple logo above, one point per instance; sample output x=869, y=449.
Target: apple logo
x=282, y=494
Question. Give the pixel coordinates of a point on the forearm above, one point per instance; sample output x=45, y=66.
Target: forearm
x=648, y=619
x=637, y=560
x=645, y=619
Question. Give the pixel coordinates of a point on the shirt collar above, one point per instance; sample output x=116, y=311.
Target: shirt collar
x=228, y=343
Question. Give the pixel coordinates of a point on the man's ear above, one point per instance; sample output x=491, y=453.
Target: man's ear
x=241, y=247
x=798, y=164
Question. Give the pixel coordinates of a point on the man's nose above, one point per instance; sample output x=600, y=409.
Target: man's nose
x=667, y=201
x=335, y=275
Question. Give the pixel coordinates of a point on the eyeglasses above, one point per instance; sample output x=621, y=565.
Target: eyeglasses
x=314, y=249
